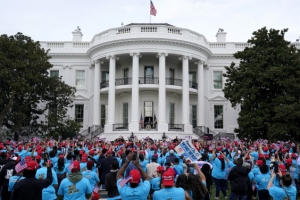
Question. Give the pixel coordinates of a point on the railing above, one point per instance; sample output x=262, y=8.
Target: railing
x=217, y=45
x=173, y=81
x=123, y=81
x=98, y=130
x=104, y=84
x=176, y=127
x=198, y=131
x=174, y=31
x=145, y=128
x=193, y=85
x=123, y=30
x=84, y=133
x=120, y=127
x=144, y=80
x=81, y=45
x=227, y=135
x=55, y=45
x=148, y=29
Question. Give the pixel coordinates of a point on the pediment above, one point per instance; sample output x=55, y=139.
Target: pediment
x=80, y=97
x=218, y=98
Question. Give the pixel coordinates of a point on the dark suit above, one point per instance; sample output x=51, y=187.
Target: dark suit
x=104, y=168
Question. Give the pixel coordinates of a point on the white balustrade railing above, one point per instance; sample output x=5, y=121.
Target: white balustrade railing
x=123, y=30
x=55, y=45
x=81, y=45
x=148, y=29
x=217, y=45
x=174, y=31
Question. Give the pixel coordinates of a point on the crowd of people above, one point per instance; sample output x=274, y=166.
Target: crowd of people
x=75, y=169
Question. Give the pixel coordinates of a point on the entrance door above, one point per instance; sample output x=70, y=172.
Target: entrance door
x=172, y=76
x=148, y=75
x=126, y=72
x=148, y=109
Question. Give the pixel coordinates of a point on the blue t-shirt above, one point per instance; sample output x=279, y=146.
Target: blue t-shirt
x=262, y=181
x=278, y=193
x=49, y=192
x=216, y=170
x=155, y=183
x=92, y=177
x=179, y=169
x=83, y=166
x=143, y=164
x=139, y=193
x=169, y=193
x=22, y=154
x=254, y=154
x=12, y=182
x=74, y=191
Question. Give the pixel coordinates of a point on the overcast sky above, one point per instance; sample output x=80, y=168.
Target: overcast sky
x=54, y=20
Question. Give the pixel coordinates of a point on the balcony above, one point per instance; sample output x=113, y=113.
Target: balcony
x=193, y=85
x=120, y=127
x=176, y=127
x=104, y=84
x=173, y=81
x=145, y=80
x=123, y=81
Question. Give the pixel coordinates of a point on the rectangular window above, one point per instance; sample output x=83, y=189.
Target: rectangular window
x=80, y=79
x=218, y=80
x=79, y=114
x=105, y=76
x=54, y=73
x=172, y=76
x=218, y=116
x=172, y=113
x=125, y=113
x=148, y=109
x=193, y=115
x=104, y=109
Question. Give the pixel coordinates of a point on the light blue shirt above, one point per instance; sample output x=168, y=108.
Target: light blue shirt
x=12, y=182
x=92, y=177
x=49, y=192
x=155, y=183
x=216, y=170
x=261, y=181
x=278, y=193
x=139, y=193
x=169, y=193
x=74, y=191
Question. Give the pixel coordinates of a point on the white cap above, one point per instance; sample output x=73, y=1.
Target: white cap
x=171, y=151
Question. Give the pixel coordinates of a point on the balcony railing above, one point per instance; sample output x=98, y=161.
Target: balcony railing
x=173, y=81
x=120, y=127
x=123, y=81
x=145, y=80
x=176, y=127
x=104, y=84
x=193, y=85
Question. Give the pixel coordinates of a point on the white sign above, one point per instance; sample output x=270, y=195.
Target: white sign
x=187, y=149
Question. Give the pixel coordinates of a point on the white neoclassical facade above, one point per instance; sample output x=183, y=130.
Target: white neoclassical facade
x=147, y=79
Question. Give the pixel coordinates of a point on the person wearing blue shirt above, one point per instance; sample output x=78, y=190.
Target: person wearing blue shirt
x=90, y=175
x=169, y=191
x=13, y=180
x=178, y=167
x=135, y=190
x=142, y=161
x=75, y=186
x=286, y=191
x=261, y=182
x=49, y=192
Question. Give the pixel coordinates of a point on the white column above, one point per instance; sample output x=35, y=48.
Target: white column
x=111, y=94
x=134, y=124
x=200, y=107
x=162, y=124
x=186, y=94
x=96, y=106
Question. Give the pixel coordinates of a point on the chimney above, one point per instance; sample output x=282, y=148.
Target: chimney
x=77, y=35
x=221, y=35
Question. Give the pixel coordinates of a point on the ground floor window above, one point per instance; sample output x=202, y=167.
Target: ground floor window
x=125, y=113
x=104, y=113
x=79, y=114
x=172, y=113
x=193, y=115
x=218, y=116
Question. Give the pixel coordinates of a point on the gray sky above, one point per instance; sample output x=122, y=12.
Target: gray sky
x=54, y=20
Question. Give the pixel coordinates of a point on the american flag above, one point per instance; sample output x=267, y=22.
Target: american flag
x=141, y=121
x=20, y=166
x=71, y=165
x=96, y=189
x=125, y=180
x=152, y=9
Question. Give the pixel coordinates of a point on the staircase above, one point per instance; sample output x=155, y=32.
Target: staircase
x=201, y=130
x=91, y=132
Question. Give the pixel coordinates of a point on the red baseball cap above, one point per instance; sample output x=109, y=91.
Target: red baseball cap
x=168, y=178
x=28, y=158
x=259, y=163
x=266, y=156
x=294, y=155
x=84, y=158
x=266, y=148
x=261, y=155
x=20, y=147
x=221, y=156
x=81, y=152
x=76, y=166
x=220, y=148
x=136, y=176
x=282, y=169
x=91, y=152
x=31, y=165
x=160, y=169
x=109, y=152
x=289, y=162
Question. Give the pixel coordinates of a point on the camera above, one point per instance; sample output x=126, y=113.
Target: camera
x=190, y=165
x=134, y=155
x=274, y=166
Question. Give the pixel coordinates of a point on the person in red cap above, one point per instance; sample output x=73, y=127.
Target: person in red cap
x=169, y=191
x=135, y=189
x=30, y=187
x=75, y=186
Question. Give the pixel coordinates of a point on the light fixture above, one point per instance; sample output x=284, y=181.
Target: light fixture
x=164, y=136
x=132, y=136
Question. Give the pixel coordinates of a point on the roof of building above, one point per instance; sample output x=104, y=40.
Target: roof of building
x=164, y=24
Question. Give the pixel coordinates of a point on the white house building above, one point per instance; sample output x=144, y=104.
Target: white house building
x=147, y=79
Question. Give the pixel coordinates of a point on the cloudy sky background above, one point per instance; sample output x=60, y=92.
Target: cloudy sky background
x=54, y=20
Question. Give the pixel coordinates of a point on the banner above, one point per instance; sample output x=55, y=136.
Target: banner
x=208, y=137
x=187, y=149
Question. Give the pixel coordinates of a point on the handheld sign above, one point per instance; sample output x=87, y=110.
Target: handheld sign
x=187, y=149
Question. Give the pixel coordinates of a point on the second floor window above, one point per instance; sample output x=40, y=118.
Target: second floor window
x=79, y=114
x=80, y=79
x=54, y=73
x=218, y=80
